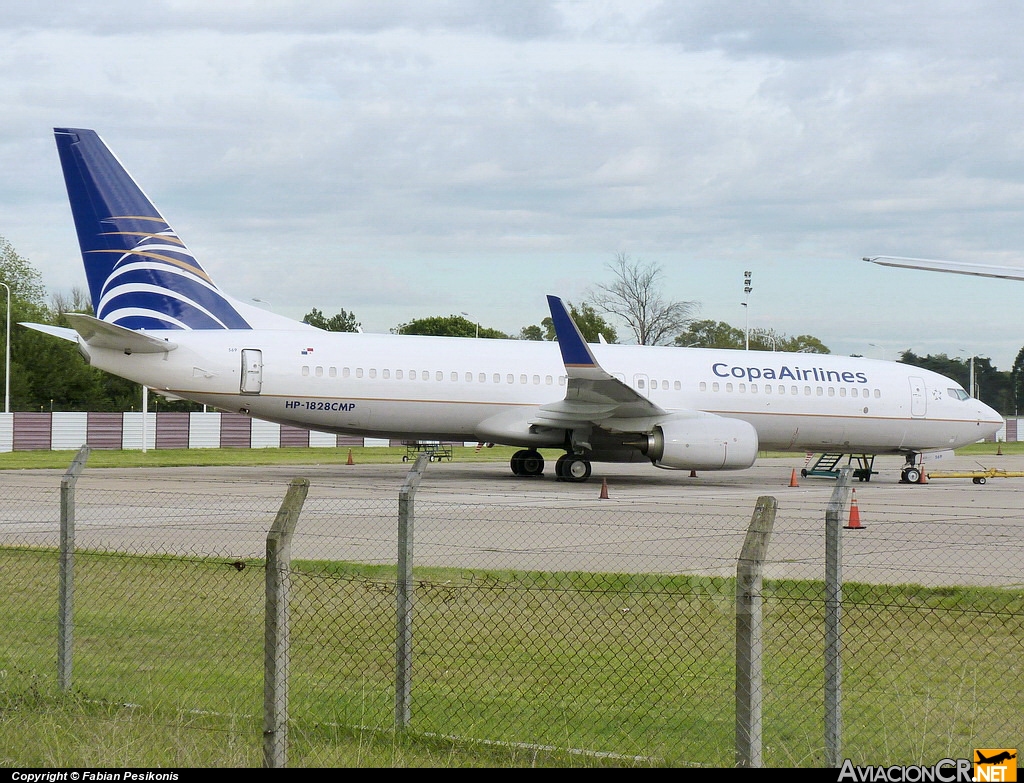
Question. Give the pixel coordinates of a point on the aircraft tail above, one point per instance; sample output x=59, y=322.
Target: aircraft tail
x=140, y=274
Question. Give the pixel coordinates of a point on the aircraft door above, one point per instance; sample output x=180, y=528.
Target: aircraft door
x=918, y=399
x=252, y=371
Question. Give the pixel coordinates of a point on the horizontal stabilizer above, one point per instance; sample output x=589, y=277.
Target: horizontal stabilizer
x=56, y=331
x=101, y=334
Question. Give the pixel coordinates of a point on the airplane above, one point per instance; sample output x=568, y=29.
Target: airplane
x=996, y=759
x=162, y=322
x=956, y=267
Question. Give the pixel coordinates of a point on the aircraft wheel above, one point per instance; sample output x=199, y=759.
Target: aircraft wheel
x=531, y=463
x=574, y=468
x=518, y=462
x=911, y=475
x=804, y=472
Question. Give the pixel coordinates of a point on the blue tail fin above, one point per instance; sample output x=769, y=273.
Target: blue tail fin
x=141, y=276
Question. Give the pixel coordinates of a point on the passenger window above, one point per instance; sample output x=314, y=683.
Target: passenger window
x=703, y=386
x=319, y=372
x=305, y=369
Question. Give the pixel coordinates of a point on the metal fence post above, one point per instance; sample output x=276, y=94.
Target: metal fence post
x=749, y=570
x=833, y=624
x=403, y=595
x=276, y=653
x=66, y=569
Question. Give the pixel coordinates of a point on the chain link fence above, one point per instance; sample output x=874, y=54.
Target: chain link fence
x=586, y=631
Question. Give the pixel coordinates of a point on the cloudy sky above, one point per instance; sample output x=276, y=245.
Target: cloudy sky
x=413, y=158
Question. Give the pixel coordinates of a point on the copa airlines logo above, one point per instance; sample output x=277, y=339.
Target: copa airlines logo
x=156, y=283
x=787, y=373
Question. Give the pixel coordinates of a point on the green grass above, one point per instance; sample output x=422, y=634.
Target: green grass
x=511, y=669
x=363, y=455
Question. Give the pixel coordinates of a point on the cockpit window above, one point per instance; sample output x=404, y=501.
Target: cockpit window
x=958, y=394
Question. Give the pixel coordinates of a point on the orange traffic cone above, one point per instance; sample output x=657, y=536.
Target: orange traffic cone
x=604, y=489
x=792, y=479
x=854, y=514
x=693, y=474
x=350, y=462
x=923, y=479
x=999, y=450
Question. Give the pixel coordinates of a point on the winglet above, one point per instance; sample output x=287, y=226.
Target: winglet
x=576, y=354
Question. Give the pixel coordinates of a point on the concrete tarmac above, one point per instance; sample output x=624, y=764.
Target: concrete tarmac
x=480, y=516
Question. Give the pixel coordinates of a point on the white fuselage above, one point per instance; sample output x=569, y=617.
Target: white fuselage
x=447, y=388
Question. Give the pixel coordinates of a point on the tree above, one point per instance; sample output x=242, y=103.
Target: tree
x=710, y=334
x=448, y=326
x=634, y=296
x=1017, y=382
x=343, y=321
x=24, y=279
x=718, y=334
x=592, y=326
x=532, y=332
x=770, y=340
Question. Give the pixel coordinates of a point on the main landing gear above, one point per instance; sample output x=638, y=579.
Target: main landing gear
x=568, y=467
x=572, y=467
x=527, y=462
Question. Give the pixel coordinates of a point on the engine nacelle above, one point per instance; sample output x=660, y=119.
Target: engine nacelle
x=702, y=442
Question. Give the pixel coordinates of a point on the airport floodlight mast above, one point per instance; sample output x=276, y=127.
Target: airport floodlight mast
x=747, y=288
x=7, y=355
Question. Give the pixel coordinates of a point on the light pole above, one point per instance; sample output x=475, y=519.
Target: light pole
x=7, y=355
x=477, y=325
x=264, y=301
x=747, y=288
x=970, y=388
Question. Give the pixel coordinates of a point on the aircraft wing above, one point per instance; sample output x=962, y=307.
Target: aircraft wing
x=592, y=395
x=956, y=267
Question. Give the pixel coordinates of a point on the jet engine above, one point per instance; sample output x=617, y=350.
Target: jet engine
x=701, y=442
